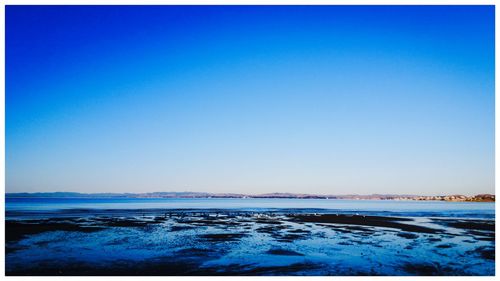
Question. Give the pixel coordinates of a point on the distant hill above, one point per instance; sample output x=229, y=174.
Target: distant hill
x=67, y=194
x=476, y=198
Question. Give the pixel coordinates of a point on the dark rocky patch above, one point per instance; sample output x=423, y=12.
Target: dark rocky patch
x=434, y=239
x=421, y=269
x=13, y=248
x=430, y=269
x=180, y=227
x=407, y=235
x=488, y=254
x=470, y=241
x=390, y=222
x=482, y=233
x=17, y=230
x=488, y=226
x=484, y=251
x=223, y=237
x=283, y=252
x=485, y=225
x=489, y=239
x=298, y=230
x=198, y=252
x=246, y=270
x=155, y=267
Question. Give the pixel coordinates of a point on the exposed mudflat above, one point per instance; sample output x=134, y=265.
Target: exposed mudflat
x=249, y=243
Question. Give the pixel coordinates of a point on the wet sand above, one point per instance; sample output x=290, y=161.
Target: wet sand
x=248, y=243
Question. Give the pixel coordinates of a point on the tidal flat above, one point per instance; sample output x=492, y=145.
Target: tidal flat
x=232, y=242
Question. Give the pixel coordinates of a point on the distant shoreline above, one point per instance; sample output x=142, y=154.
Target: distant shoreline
x=195, y=195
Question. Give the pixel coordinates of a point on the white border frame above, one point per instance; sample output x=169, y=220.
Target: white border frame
x=225, y=2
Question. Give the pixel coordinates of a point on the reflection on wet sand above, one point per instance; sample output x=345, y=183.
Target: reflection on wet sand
x=247, y=243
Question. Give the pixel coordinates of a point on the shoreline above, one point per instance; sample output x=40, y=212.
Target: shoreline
x=161, y=211
x=237, y=243
x=273, y=195
x=250, y=198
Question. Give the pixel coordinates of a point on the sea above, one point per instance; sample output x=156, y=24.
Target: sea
x=26, y=207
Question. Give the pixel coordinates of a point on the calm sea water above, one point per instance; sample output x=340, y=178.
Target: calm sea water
x=23, y=206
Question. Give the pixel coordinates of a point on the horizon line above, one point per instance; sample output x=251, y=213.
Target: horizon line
x=245, y=194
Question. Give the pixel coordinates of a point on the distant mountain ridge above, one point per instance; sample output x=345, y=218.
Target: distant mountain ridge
x=187, y=194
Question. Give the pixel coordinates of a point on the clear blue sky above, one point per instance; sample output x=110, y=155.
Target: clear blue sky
x=307, y=99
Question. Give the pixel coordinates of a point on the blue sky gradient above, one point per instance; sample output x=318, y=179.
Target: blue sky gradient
x=250, y=99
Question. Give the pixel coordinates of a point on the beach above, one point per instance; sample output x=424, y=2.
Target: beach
x=205, y=242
